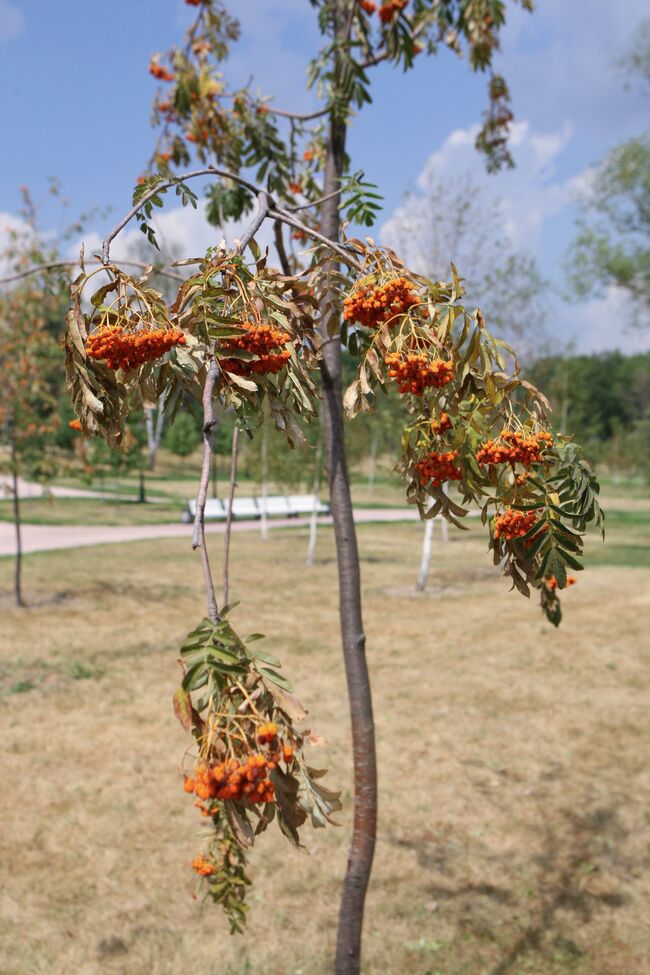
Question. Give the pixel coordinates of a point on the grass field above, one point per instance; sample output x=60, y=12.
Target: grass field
x=514, y=758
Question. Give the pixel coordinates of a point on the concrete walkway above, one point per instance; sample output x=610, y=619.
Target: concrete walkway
x=28, y=489
x=44, y=538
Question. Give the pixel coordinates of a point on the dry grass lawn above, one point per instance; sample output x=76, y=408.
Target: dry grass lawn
x=514, y=763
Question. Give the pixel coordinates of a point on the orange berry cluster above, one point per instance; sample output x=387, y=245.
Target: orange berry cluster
x=260, y=339
x=441, y=423
x=233, y=780
x=75, y=424
x=551, y=582
x=415, y=372
x=368, y=6
x=372, y=306
x=128, y=349
x=203, y=867
x=513, y=524
x=390, y=8
x=515, y=448
x=162, y=74
x=439, y=467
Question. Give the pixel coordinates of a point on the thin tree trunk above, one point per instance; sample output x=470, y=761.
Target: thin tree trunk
x=18, y=564
x=264, y=485
x=154, y=432
x=374, y=447
x=214, y=475
x=231, y=497
x=425, y=561
x=359, y=866
x=142, y=497
x=313, y=522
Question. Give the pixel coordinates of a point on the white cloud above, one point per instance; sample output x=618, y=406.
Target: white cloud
x=181, y=232
x=604, y=324
x=12, y=21
x=519, y=204
x=561, y=60
x=524, y=197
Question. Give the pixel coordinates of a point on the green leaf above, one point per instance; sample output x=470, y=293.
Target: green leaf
x=275, y=678
x=196, y=676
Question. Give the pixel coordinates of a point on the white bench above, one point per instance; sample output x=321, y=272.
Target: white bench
x=277, y=506
x=214, y=510
x=243, y=508
x=305, y=504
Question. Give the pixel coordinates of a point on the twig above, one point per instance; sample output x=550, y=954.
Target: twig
x=343, y=252
x=282, y=253
x=263, y=203
x=165, y=185
x=266, y=207
x=198, y=536
x=315, y=203
x=297, y=116
x=233, y=485
x=54, y=265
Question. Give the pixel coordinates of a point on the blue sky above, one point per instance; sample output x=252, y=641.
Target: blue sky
x=77, y=96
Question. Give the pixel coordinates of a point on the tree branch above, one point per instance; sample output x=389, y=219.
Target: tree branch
x=165, y=185
x=344, y=253
x=231, y=497
x=54, y=265
x=314, y=203
x=280, y=248
x=198, y=536
x=268, y=208
x=263, y=203
x=297, y=116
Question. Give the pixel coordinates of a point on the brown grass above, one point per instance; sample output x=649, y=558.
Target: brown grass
x=514, y=767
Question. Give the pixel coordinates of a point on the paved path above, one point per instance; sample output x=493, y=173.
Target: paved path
x=28, y=489
x=42, y=538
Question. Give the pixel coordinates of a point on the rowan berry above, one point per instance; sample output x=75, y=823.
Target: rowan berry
x=124, y=347
x=436, y=468
x=416, y=371
x=263, y=340
x=372, y=306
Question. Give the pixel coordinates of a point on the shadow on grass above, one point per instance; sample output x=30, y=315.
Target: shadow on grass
x=574, y=848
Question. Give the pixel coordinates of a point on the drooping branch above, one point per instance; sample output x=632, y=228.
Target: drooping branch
x=298, y=116
x=165, y=185
x=198, y=537
x=263, y=203
x=314, y=203
x=280, y=248
x=55, y=265
x=270, y=209
x=344, y=253
x=231, y=498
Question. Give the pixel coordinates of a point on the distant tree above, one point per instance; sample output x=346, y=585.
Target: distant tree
x=182, y=437
x=601, y=400
x=31, y=364
x=613, y=244
x=452, y=220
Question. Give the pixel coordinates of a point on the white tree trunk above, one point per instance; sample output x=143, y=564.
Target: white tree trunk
x=374, y=447
x=154, y=431
x=313, y=523
x=264, y=485
x=425, y=560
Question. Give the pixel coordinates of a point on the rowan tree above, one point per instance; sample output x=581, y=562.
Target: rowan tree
x=32, y=315
x=252, y=339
